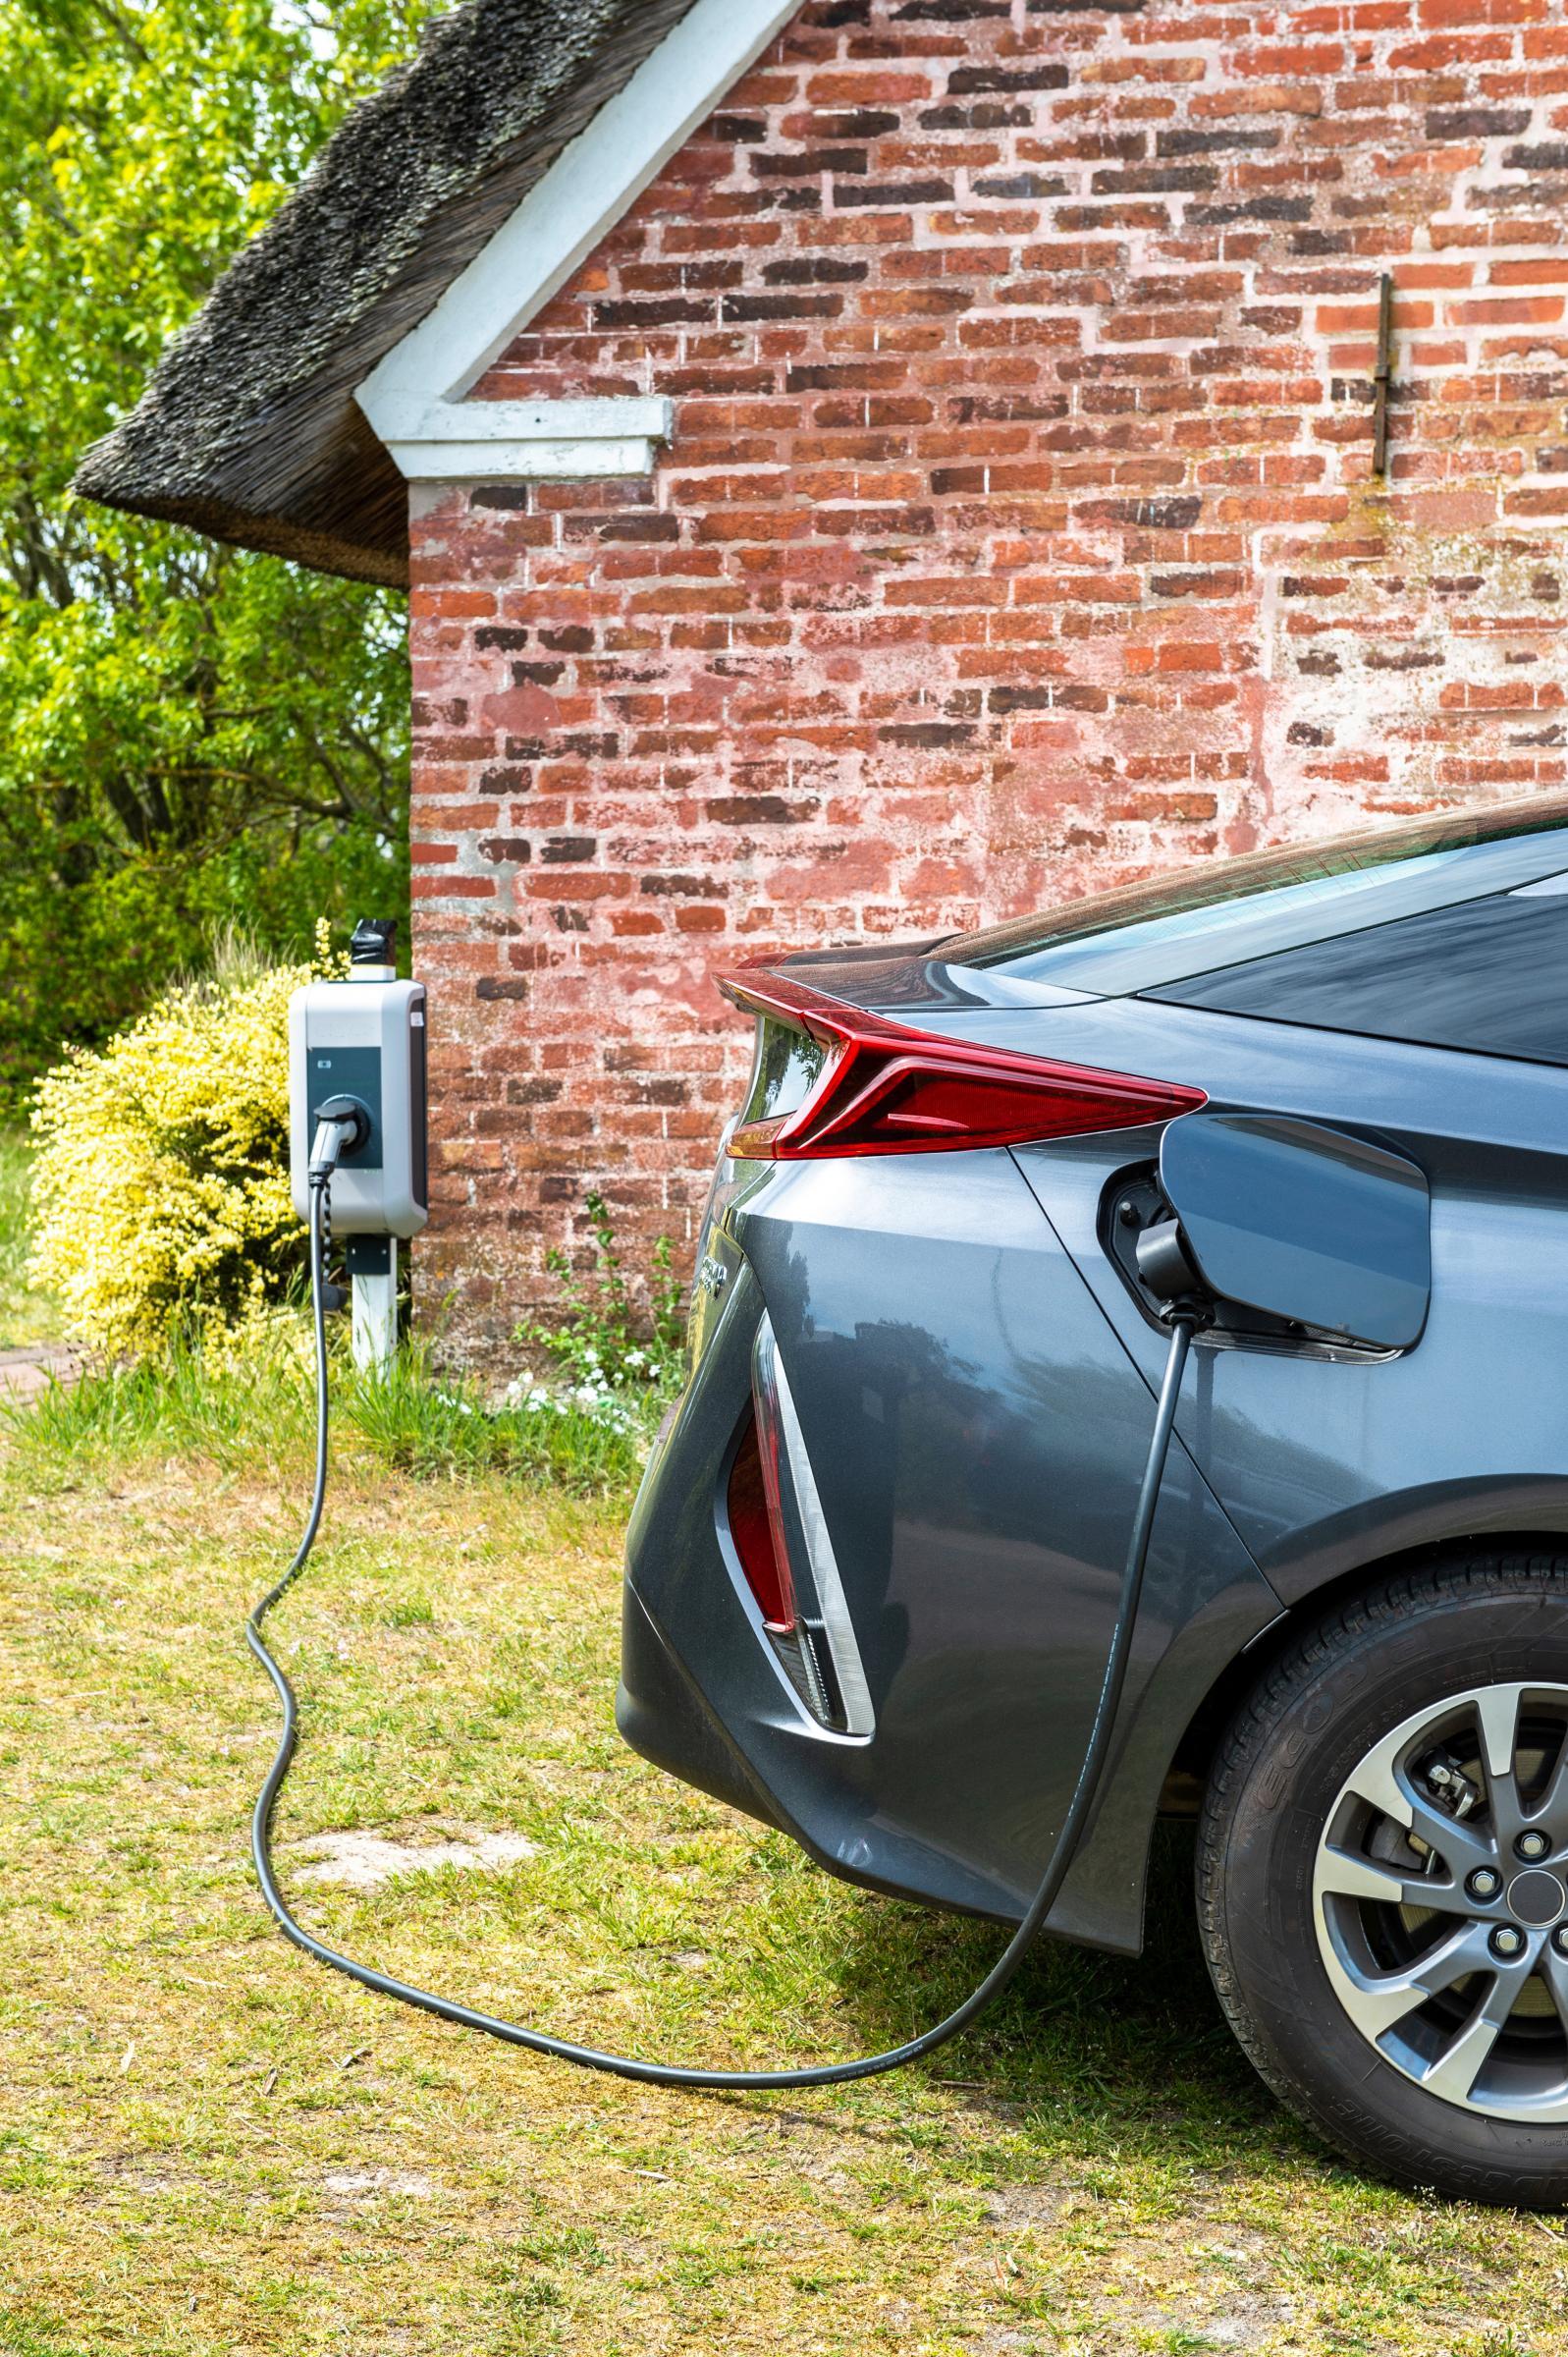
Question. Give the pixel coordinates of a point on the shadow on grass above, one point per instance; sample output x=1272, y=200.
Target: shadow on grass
x=1131, y=2051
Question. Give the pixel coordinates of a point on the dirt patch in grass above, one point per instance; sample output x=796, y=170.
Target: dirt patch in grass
x=209, y=2145
x=365, y=1861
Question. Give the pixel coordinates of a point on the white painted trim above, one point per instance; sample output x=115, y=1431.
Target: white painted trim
x=405, y=419
x=563, y=217
x=505, y=441
x=506, y=462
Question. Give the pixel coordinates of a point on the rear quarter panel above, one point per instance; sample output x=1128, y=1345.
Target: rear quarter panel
x=1326, y=1466
x=977, y=1432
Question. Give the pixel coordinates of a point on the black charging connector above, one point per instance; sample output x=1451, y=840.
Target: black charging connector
x=1183, y=1319
x=341, y=1124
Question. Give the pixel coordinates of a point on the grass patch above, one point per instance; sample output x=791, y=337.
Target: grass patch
x=207, y=2145
x=256, y=1410
x=425, y=1423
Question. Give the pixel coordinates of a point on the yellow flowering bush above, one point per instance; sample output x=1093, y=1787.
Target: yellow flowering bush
x=161, y=1186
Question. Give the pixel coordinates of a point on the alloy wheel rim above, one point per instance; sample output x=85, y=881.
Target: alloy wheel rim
x=1440, y=1899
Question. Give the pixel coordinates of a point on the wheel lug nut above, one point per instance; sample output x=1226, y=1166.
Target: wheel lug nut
x=1506, y=1942
x=1533, y=1845
x=1559, y=1938
x=1485, y=1882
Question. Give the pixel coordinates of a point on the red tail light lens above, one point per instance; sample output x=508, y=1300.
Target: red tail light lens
x=756, y=1525
x=887, y=1089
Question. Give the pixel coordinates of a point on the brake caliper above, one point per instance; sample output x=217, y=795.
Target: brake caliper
x=1451, y=1788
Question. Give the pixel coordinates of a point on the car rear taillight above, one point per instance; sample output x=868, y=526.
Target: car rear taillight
x=882, y=1089
x=759, y=1531
x=756, y=1525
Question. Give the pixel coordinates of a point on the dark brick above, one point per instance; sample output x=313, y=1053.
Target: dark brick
x=1165, y=514
x=934, y=733
x=743, y=308
x=1215, y=143
x=814, y=269
x=859, y=123
x=987, y=114
x=588, y=745
x=893, y=196
x=683, y=888
x=756, y=810
x=665, y=311
x=1476, y=122
x=949, y=11
x=1153, y=180
x=808, y=163
x=991, y=81
x=1252, y=208
x=654, y=528
x=1017, y=184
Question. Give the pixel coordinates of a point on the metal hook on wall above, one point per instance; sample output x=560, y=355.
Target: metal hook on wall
x=1381, y=374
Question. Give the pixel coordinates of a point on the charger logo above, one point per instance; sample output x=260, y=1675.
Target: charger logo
x=712, y=1275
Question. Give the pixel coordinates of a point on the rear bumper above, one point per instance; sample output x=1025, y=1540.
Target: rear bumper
x=661, y=1714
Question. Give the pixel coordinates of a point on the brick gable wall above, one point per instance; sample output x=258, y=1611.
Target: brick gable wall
x=1018, y=535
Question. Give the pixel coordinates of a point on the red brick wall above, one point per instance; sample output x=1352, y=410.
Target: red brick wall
x=1018, y=534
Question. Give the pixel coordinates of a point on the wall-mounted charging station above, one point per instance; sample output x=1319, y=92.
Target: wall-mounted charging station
x=361, y=1042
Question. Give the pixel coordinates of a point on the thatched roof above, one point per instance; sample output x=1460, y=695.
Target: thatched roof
x=248, y=430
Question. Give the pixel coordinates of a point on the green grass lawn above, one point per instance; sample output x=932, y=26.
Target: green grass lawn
x=209, y=2145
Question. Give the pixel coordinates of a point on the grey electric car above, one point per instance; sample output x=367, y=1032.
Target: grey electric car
x=1317, y=1101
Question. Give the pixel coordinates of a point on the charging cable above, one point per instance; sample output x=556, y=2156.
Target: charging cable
x=1183, y=1317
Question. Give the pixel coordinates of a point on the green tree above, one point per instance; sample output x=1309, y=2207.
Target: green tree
x=189, y=734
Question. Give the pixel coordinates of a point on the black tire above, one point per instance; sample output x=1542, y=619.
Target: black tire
x=1340, y=1688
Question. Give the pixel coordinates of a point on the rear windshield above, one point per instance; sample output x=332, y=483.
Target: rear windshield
x=1227, y=914
x=1487, y=975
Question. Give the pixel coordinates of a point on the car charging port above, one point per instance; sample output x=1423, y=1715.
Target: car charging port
x=1165, y=1269
x=1141, y=1235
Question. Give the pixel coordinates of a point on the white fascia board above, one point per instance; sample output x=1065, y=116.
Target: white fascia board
x=563, y=217
x=503, y=461
x=412, y=420
x=505, y=441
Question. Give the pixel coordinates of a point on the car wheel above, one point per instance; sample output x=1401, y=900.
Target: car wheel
x=1383, y=1877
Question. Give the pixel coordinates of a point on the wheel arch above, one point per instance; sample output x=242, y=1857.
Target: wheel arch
x=1194, y=1748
